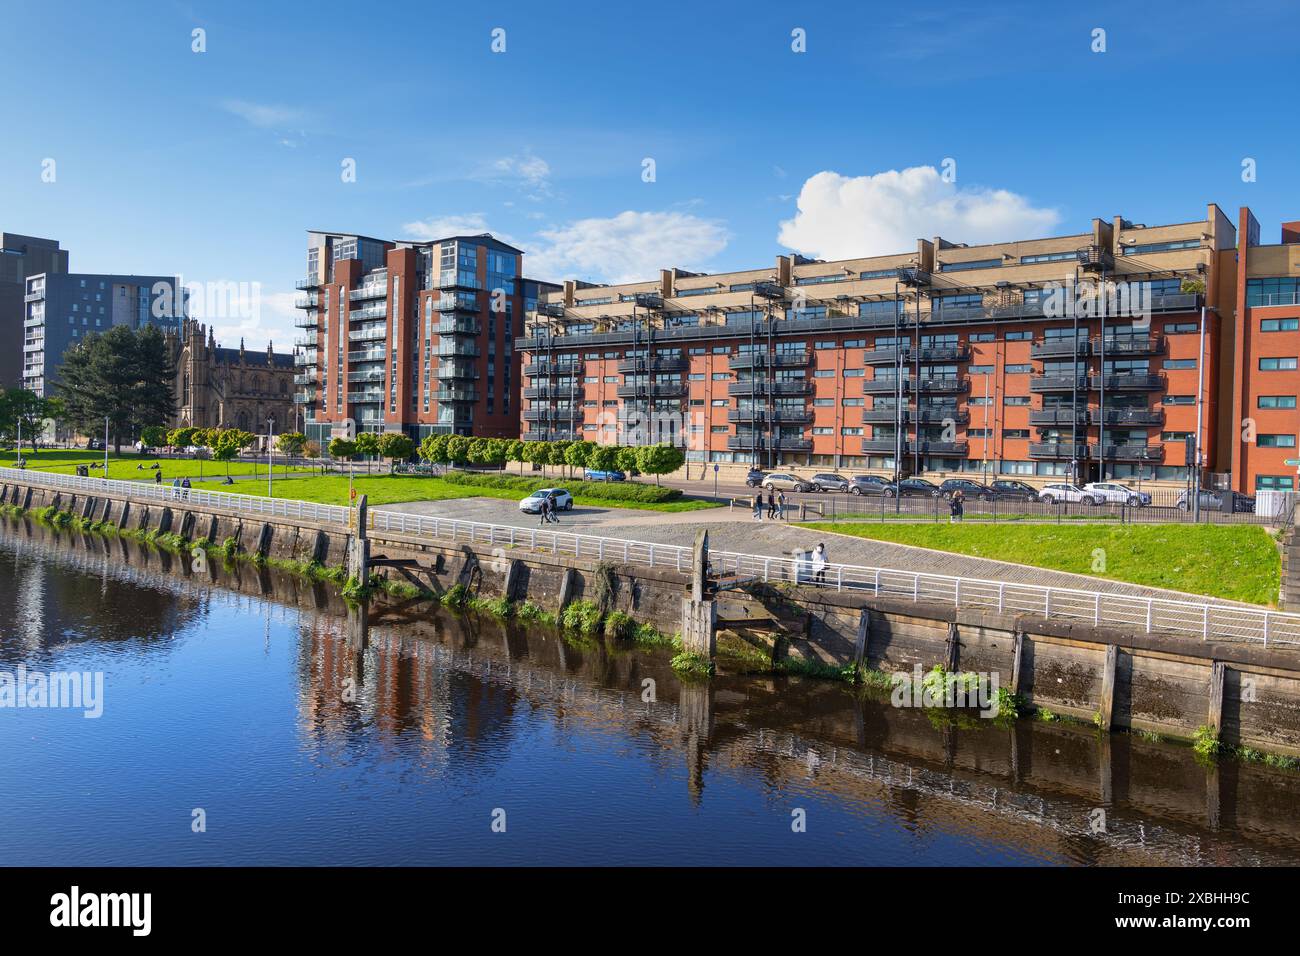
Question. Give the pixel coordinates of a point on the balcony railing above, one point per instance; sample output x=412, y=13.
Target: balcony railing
x=1058, y=416
x=307, y=320
x=455, y=349
x=758, y=386
x=367, y=355
x=310, y=282
x=553, y=392
x=777, y=416
x=547, y=369
x=660, y=363
x=1130, y=344
x=455, y=370
x=941, y=415
x=369, y=312
x=458, y=327
x=309, y=301
x=1058, y=383
x=925, y=446
x=1143, y=381
x=374, y=290
x=657, y=390
x=305, y=378
x=760, y=442
x=889, y=385
x=928, y=353
x=456, y=303
x=1059, y=348
x=552, y=414
x=368, y=335
x=796, y=359
x=1057, y=450
x=1134, y=452
x=370, y=375
x=1127, y=416
x=366, y=397
x=456, y=395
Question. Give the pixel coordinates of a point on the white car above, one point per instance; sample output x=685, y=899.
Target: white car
x=560, y=499
x=1051, y=494
x=1114, y=493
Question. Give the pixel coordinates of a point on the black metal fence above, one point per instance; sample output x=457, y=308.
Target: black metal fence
x=1164, y=507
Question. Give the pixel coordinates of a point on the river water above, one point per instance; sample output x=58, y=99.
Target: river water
x=249, y=717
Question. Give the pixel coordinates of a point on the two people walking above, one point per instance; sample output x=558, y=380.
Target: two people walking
x=548, y=512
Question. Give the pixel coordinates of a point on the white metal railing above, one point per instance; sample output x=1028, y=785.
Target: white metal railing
x=1204, y=620
x=165, y=493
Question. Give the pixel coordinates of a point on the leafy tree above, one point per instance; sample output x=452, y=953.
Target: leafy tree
x=18, y=406
x=515, y=452
x=367, y=443
x=122, y=375
x=627, y=460
x=291, y=444
x=434, y=449
x=183, y=437
x=341, y=448
x=225, y=446
x=396, y=446
x=578, y=455
x=458, y=449
x=660, y=459
x=603, y=458
x=153, y=435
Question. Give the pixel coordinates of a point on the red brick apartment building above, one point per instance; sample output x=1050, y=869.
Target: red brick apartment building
x=415, y=337
x=1101, y=354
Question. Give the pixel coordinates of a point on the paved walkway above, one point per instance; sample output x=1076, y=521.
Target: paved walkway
x=735, y=530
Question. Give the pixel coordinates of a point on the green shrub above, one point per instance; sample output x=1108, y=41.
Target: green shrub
x=530, y=612
x=455, y=597
x=582, y=617
x=647, y=635
x=1205, y=741
x=689, y=664
x=619, y=626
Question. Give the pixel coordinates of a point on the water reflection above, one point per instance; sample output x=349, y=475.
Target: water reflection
x=404, y=725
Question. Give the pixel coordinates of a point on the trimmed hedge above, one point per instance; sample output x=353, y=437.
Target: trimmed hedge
x=608, y=490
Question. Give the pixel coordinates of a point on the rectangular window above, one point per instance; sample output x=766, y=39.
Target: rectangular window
x=1277, y=401
x=721, y=376
x=824, y=402
x=1019, y=369
x=1016, y=400
x=853, y=373
x=695, y=377
x=1023, y=336
x=1277, y=364
x=1169, y=246
x=850, y=431
x=824, y=373
x=1277, y=291
x=1180, y=363
x=982, y=337
x=720, y=403
x=1275, y=441
x=981, y=369
x=1049, y=257
x=1274, y=483
x=824, y=345
x=1279, y=325
x=823, y=431
x=1179, y=400
x=1020, y=433
x=972, y=264
x=1178, y=328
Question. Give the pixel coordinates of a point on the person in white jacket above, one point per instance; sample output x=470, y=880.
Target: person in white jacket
x=819, y=563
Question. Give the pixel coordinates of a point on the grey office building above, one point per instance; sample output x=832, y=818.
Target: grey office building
x=63, y=309
x=21, y=257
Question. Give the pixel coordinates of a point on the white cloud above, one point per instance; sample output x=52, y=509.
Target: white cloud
x=440, y=227
x=265, y=115
x=524, y=171
x=629, y=247
x=844, y=217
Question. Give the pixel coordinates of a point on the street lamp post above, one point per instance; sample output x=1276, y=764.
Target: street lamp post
x=105, y=447
x=270, y=461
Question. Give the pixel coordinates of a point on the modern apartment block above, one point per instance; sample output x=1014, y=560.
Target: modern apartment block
x=1262, y=430
x=62, y=309
x=21, y=257
x=411, y=336
x=1077, y=356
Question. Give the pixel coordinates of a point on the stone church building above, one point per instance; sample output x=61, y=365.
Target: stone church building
x=231, y=388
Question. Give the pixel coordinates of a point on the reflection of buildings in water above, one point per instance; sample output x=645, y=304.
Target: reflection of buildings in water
x=72, y=588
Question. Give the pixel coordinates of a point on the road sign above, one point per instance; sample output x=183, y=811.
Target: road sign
x=715, y=467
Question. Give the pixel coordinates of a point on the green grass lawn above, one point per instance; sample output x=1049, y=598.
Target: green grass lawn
x=1237, y=562
x=389, y=489
x=123, y=467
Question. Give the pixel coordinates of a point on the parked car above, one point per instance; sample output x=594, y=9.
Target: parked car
x=786, y=481
x=755, y=477
x=969, y=488
x=1004, y=489
x=1064, y=492
x=591, y=475
x=1112, y=492
x=829, y=481
x=1213, y=501
x=912, y=488
x=560, y=499
x=867, y=485
x=95, y=444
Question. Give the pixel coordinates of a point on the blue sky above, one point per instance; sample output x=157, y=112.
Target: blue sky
x=215, y=164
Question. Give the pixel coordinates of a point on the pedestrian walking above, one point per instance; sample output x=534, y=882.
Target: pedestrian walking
x=771, y=504
x=819, y=563
x=176, y=487
x=185, y=488
x=157, y=477
x=542, y=509
x=553, y=510
x=780, y=506
x=758, y=506
x=956, y=507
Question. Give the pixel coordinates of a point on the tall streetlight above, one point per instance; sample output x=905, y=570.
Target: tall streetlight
x=270, y=461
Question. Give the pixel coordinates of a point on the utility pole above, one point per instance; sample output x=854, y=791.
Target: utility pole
x=270, y=461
